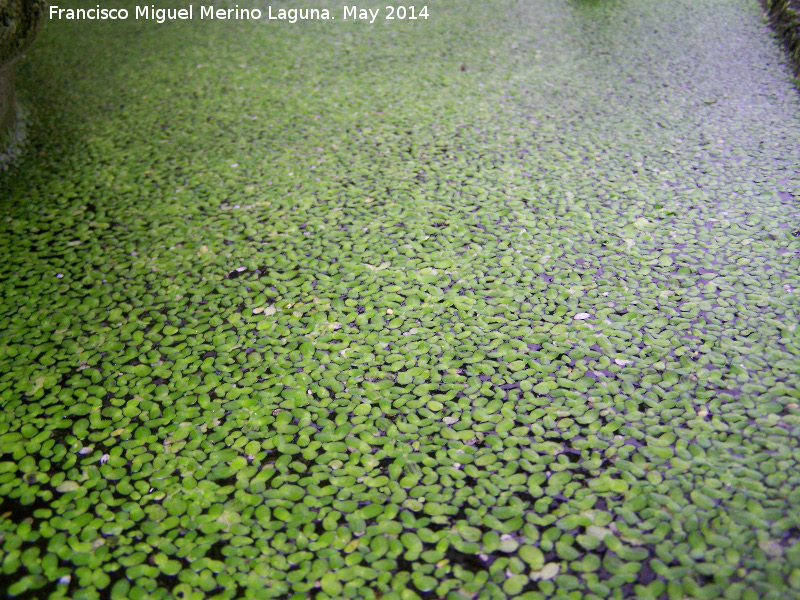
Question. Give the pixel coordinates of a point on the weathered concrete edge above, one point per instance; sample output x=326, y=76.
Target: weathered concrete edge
x=784, y=15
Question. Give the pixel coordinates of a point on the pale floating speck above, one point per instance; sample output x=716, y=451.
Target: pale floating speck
x=270, y=310
x=549, y=571
x=622, y=362
x=104, y=459
x=84, y=450
x=240, y=269
x=67, y=486
x=771, y=548
x=582, y=316
x=64, y=579
x=598, y=532
x=59, y=275
x=450, y=420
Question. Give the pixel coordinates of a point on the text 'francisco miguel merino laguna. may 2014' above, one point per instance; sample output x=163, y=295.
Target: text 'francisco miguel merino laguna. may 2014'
x=291, y=15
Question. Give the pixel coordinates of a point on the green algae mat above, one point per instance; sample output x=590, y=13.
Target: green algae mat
x=501, y=303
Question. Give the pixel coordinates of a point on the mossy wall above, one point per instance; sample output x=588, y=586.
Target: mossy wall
x=785, y=18
x=7, y=108
x=19, y=23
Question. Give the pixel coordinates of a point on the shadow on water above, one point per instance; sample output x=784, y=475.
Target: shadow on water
x=591, y=5
x=79, y=80
x=54, y=82
x=45, y=90
x=597, y=23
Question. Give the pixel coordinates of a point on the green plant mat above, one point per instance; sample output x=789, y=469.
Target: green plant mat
x=499, y=303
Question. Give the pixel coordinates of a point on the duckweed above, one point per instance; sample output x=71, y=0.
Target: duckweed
x=498, y=303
